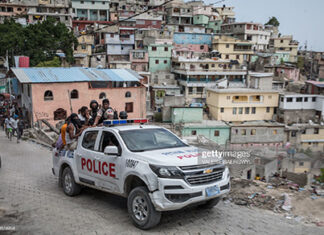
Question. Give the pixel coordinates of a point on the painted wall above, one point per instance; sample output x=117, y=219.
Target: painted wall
x=161, y=50
x=186, y=115
x=192, y=38
x=45, y=109
x=200, y=19
x=159, y=64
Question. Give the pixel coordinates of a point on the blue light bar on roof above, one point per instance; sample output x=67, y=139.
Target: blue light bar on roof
x=124, y=121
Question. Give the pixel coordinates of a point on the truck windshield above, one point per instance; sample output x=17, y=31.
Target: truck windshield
x=150, y=139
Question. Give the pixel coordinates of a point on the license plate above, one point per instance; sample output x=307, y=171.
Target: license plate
x=212, y=191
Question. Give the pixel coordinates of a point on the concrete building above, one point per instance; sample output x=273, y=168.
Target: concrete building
x=159, y=57
x=145, y=37
x=314, y=87
x=285, y=44
x=242, y=104
x=195, y=75
x=192, y=38
x=257, y=134
x=225, y=13
x=305, y=136
x=39, y=10
x=84, y=50
x=233, y=49
x=13, y=8
x=178, y=12
x=119, y=44
x=299, y=163
x=186, y=28
x=148, y=20
x=158, y=92
x=252, y=32
x=46, y=91
x=95, y=10
x=300, y=108
x=214, y=26
x=139, y=60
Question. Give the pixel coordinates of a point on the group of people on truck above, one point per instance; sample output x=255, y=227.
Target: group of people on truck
x=86, y=117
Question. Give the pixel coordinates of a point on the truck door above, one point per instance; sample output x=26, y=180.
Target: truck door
x=86, y=157
x=111, y=166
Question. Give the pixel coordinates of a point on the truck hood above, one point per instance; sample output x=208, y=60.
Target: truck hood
x=182, y=156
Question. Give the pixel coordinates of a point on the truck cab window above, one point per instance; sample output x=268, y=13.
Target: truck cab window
x=89, y=140
x=108, y=139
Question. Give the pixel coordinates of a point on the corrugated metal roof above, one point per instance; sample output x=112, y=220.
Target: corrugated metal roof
x=74, y=74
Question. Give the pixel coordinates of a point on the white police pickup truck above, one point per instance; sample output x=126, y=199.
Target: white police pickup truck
x=150, y=166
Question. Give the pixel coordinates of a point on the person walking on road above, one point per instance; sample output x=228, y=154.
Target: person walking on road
x=14, y=125
x=20, y=130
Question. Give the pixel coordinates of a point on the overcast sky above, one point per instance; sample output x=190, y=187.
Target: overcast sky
x=304, y=19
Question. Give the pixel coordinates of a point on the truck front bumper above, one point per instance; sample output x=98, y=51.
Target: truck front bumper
x=175, y=194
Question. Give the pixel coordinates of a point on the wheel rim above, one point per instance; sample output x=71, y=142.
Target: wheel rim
x=68, y=183
x=140, y=208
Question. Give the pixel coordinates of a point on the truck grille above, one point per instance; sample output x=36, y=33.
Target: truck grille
x=197, y=175
x=205, y=178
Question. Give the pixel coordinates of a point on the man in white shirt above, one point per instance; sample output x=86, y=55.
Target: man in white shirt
x=7, y=126
x=14, y=123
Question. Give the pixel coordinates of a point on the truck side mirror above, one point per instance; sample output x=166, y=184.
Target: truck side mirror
x=111, y=150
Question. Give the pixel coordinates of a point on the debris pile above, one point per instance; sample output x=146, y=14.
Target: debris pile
x=280, y=196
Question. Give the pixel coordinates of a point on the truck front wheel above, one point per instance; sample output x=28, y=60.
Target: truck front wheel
x=141, y=209
x=70, y=188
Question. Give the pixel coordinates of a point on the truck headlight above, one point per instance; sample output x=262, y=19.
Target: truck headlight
x=167, y=171
x=226, y=173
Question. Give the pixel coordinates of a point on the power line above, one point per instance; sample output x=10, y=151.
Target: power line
x=128, y=18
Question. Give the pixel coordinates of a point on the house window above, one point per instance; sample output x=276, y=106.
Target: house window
x=153, y=48
x=48, y=95
x=316, y=131
x=193, y=132
x=167, y=76
x=128, y=94
x=253, y=110
x=227, y=45
x=305, y=99
x=190, y=90
x=74, y=94
x=303, y=131
x=165, y=61
x=129, y=107
x=83, y=46
x=240, y=110
x=243, y=131
x=289, y=99
x=301, y=163
x=293, y=133
x=111, y=35
x=82, y=2
x=166, y=49
x=268, y=109
x=234, y=110
x=202, y=47
x=221, y=109
x=228, y=97
x=237, y=57
x=227, y=57
x=247, y=110
x=253, y=131
x=156, y=61
x=102, y=95
x=314, y=99
x=299, y=99
x=216, y=133
x=275, y=132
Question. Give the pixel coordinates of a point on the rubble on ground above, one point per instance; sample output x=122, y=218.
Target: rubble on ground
x=280, y=196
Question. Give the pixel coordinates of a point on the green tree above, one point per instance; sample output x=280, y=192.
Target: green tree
x=50, y=63
x=273, y=21
x=39, y=41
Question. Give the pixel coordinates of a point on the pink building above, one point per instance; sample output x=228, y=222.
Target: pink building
x=54, y=93
x=193, y=47
x=139, y=60
x=290, y=73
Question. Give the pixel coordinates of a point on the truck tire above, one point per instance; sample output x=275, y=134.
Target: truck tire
x=70, y=188
x=211, y=203
x=141, y=209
